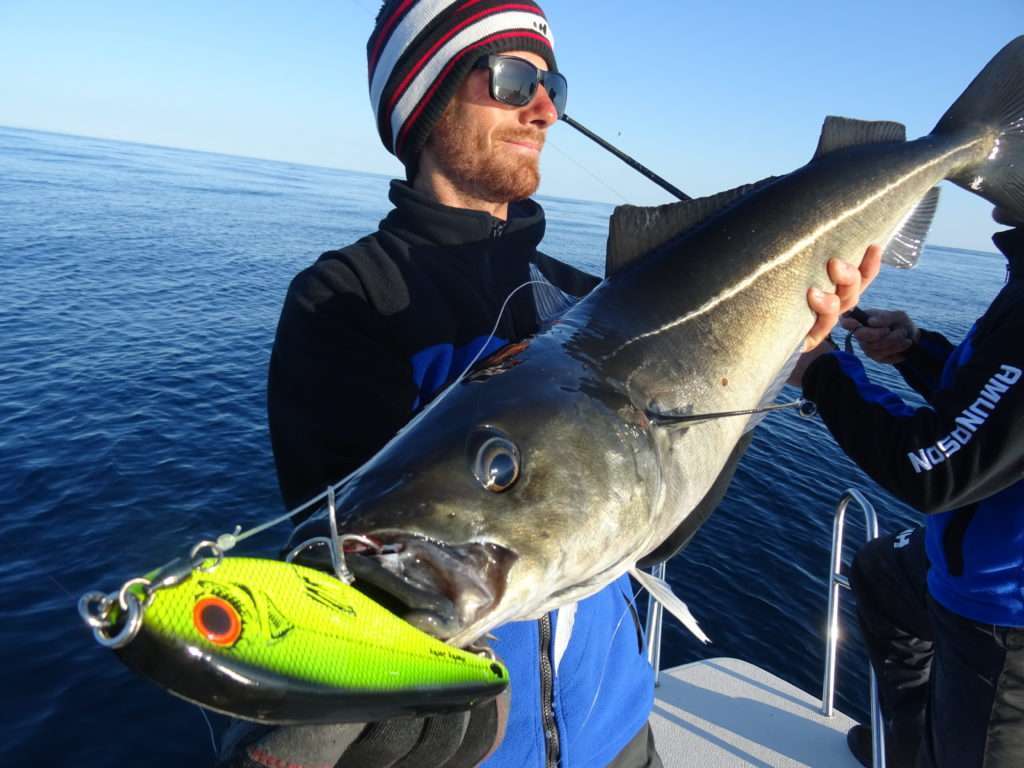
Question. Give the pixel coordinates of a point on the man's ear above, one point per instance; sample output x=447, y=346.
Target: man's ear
x=424, y=158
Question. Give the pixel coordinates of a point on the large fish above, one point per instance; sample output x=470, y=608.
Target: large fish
x=555, y=466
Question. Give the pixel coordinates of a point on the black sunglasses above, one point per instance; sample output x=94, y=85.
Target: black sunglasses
x=514, y=81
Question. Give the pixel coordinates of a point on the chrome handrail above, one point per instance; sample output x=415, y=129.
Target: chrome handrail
x=655, y=612
x=836, y=579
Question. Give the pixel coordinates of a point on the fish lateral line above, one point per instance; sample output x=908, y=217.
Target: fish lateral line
x=803, y=244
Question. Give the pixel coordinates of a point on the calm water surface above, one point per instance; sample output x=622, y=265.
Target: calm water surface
x=139, y=292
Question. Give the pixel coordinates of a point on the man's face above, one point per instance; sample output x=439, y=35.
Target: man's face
x=488, y=149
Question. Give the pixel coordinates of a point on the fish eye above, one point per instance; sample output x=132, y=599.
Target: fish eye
x=497, y=464
x=217, y=620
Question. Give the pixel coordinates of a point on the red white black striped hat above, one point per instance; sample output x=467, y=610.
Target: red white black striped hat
x=421, y=50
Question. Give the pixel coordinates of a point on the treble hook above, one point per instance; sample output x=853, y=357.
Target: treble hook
x=335, y=543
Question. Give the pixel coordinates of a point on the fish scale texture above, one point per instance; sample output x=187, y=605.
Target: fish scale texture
x=305, y=624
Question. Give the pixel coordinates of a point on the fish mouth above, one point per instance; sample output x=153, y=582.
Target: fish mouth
x=438, y=587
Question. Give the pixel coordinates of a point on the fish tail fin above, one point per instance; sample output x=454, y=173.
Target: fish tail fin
x=994, y=103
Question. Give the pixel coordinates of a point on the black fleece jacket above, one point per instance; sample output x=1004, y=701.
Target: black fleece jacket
x=370, y=333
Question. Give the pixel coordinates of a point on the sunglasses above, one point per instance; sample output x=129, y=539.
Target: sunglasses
x=514, y=81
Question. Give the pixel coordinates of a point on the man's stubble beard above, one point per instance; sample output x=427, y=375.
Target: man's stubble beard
x=481, y=171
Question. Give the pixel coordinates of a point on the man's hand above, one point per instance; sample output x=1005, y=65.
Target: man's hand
x=886, y=337
x=850, y=283
x=796, y=376
x=454, y=740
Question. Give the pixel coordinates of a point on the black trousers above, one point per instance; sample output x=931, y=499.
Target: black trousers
x=951, y=689
x=639, y=753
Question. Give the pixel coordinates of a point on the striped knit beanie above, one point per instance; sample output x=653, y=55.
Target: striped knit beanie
x=421, y=50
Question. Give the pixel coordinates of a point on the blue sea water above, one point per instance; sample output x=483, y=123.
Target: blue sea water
x=139, y=292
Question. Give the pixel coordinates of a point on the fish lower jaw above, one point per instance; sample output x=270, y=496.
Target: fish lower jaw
x=442, y=589
x=511, y=609
x=471, y=634
x=508, y=609
x=524, y=607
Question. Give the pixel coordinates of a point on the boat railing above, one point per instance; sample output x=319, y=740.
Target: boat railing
x=655, y=615
x=837, y=580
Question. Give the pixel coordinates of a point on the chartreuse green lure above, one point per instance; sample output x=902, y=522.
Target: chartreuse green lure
x=280, y=643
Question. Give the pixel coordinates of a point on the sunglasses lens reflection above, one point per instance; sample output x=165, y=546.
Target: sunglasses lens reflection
x=514, y=82
x=557, y=91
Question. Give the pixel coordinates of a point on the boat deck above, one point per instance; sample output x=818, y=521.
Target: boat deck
x=725, y=712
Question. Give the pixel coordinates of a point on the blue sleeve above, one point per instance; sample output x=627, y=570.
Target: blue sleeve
x=923, y=366
x=967, y=445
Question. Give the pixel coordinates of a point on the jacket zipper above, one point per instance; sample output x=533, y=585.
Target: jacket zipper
x=547, y=695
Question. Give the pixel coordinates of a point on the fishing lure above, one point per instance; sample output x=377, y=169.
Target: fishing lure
x=277, y=642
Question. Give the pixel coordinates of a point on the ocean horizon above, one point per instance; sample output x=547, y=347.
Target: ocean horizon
x=386, y=176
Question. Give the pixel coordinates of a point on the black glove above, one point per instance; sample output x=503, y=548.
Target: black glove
x=455, y=740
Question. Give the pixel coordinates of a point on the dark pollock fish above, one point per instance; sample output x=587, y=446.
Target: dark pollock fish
x=545, y=474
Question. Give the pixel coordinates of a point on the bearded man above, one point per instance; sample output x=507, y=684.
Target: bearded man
x=464, y=93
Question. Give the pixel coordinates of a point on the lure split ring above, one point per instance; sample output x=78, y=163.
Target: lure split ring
x=100, y=621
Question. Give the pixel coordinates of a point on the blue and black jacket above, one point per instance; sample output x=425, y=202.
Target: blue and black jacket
x=367, y=336
x=960, y=460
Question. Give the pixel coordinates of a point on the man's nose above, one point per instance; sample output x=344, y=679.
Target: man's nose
x=541, y=110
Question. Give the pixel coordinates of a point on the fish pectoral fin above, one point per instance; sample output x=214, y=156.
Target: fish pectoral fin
x=634, y=231
x=662, y=592
x=843, y=132
x=550, y=300
x=904, y=248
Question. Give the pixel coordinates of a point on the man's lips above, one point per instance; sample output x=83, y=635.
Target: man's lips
x=531, y=145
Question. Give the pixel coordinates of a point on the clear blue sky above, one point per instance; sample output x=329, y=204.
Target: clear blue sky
x=709, y=94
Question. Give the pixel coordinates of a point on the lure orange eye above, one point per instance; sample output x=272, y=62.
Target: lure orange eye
x=217, y=620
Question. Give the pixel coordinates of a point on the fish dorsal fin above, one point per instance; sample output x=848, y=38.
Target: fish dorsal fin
x=635, y=230
x=550, y=300
x=842, y=132
x=905, y=246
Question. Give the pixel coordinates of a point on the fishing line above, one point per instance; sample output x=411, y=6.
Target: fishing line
x=630, y=607
x=587, y=171
x=227, y=541
x=632, y=163
x=494, y=332
x=66, y=590
x=483, y=347
x=209, y=725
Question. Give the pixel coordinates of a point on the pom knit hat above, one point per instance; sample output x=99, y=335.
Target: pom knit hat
x=421, y=50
